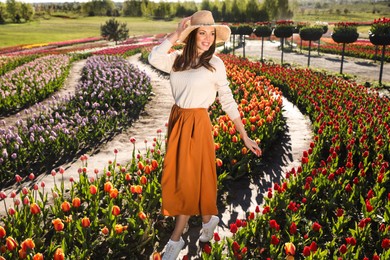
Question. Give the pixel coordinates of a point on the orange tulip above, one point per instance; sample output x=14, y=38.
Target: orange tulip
x=22, y=254
x=34, y=208
x=114, y=193
x=27, y=244
x=116, y=210
x=58, y=225
x=138, y=189
x=85, y=222
x=3, y=233
x=143, y=180
x=105, y=230
x=154, y=164
x=289, y=248
x=118, y=228
x=11, y=243
x=128, y=177
x=65, y=206
x=93, y=189
x=156, y=256
x=108, y=186
x=148, y=169
x=142, y=215
x=244, y=150
x=76, y=202
x=59, y=254
x=141, y=166
x=38, y=256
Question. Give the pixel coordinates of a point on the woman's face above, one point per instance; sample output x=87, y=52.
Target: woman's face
x=204, y=38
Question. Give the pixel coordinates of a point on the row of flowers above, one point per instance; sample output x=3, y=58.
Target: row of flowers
x=32, y=82
x=335, y=205
x=44, y=47
x=112, y=212
x=110, y=94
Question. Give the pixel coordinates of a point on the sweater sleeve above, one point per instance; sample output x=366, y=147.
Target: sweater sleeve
x=225, y=95
x=160, y=58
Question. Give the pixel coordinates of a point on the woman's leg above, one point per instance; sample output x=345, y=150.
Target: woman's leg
x=209, y=224
x=181, y=222
x=206, y=218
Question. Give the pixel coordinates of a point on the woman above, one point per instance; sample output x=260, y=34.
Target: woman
x=189, y=181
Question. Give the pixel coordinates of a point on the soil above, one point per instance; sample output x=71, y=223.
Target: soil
x=244, y=195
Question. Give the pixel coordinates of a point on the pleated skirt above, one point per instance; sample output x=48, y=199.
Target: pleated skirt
x=189, y=180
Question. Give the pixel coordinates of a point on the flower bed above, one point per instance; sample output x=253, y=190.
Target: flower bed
x=335, y=205
x=32, y=82
x=110, y=95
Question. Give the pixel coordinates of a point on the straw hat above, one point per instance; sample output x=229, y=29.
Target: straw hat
x=205, y=18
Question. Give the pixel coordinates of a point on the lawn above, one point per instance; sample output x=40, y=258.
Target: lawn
x=60, y=29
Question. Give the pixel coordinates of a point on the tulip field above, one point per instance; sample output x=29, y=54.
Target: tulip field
x=335, y=205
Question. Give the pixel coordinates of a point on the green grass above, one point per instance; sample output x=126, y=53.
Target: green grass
x=362, y=12
x=59, y=29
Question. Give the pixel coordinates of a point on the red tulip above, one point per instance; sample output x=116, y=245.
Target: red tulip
x=207, y=249
x=343, y=249
x=274, y=240
x=316, y=226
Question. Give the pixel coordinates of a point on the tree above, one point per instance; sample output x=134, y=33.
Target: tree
x=236, y=14
x=2, y=13
x=284, y=10
x=112, y=30
x=132, y=8
x=205, y=5
x=98, y=7
x=27, y=12
x=13, y=10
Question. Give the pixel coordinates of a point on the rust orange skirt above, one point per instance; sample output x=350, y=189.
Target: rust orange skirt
x=189, y=179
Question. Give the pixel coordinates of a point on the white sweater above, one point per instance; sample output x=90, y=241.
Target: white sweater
x=195, y=88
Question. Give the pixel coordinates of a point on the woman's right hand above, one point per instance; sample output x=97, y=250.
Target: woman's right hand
x=180, y=28
x=182, y=25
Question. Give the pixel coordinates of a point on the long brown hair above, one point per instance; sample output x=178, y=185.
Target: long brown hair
x=188, y=59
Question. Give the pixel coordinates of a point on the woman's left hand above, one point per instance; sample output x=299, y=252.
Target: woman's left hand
x=253, y=146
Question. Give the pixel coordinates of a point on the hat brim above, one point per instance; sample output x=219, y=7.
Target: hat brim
x=222, y=33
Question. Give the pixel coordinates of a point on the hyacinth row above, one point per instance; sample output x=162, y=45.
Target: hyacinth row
x=110, y=95
x=336, y=204
x=8, y=63
x=32, y=82
x=114, y=212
